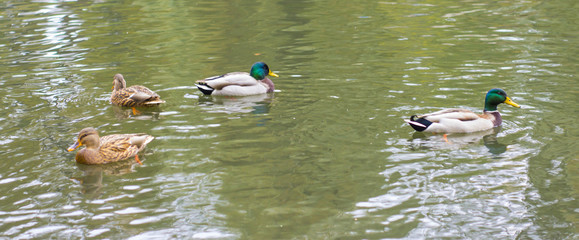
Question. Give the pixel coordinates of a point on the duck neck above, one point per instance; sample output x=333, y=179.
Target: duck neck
x=86, y=156
x=269, y=83
x=490, y=106
x=495, y=117
x=119, y=84
x=92, y=143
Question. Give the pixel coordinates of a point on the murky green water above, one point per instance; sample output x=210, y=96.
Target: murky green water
x=325, y=157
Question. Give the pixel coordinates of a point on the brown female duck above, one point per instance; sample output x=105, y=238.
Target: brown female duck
x=110, y=148
x=133, y=96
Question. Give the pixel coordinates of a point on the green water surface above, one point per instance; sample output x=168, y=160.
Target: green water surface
x=327, y=156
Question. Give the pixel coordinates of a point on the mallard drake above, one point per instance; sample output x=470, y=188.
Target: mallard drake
x=239, y=83
x=110, y=148
x=461, y=120
x=133, y=96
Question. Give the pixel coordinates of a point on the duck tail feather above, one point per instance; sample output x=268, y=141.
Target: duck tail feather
x=419, y=124
x=204, y=88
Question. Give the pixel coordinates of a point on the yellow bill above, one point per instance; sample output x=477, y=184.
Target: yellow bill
x=510, y=102
x=74, y=146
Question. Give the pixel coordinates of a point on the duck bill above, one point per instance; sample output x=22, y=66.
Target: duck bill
x=510, y=102
x=74, y=146
x=272, y=74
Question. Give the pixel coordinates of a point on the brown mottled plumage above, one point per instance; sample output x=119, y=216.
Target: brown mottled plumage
x=110, y=148
x=133, y=96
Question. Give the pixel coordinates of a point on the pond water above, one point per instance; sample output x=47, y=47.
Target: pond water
x=327, y=156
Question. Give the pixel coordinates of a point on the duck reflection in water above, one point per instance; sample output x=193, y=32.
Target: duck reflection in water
x=150, y=113
x=92, y=179
x=493, y=144
x=256, y=104
x=421, y=140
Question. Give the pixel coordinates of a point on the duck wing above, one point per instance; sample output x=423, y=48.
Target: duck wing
x=122, y=146
x=230, y=79
x=451, y=113
x=143, y=95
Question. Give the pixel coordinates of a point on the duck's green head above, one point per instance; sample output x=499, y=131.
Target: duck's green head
x=495, y=97
x=260, y=70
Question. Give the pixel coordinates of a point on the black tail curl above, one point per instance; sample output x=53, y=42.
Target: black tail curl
x=204, y=88
x=419, y=124
x=412, y=118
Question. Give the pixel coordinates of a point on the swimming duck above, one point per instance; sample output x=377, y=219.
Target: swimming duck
x=461, y=120
x=239, y=83
x=133, y=96
x=110, y=148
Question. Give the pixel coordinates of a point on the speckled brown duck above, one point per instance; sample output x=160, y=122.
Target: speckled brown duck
x=110, y=148
x=133, y=96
